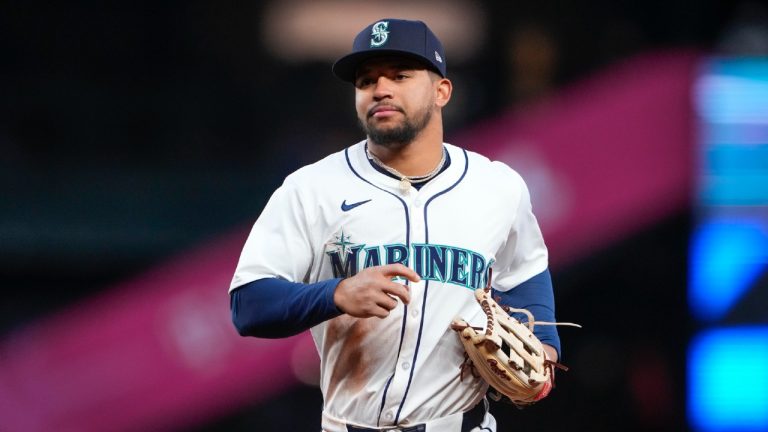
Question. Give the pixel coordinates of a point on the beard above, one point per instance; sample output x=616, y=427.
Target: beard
x=401, y=135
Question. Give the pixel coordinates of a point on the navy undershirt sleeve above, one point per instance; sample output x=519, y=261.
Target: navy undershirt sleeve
x=537, y=296
x=275, y=308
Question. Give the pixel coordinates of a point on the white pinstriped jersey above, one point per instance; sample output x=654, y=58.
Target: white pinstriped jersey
x=339, y=215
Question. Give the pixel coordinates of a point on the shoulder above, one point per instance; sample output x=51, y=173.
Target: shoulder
x=496, y=174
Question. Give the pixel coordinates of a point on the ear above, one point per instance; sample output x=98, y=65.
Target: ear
x=443, y=90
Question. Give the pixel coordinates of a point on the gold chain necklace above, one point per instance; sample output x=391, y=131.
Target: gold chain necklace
x=406, y=181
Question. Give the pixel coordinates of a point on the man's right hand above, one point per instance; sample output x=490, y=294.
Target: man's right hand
x=371, y=292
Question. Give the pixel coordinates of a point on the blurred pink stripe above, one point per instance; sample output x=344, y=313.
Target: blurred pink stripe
x=155, y=352
x=605, y=157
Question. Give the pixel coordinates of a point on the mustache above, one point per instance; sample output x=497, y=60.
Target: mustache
x=373, y=109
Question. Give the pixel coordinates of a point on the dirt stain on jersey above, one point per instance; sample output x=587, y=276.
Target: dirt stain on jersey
x=351, y=367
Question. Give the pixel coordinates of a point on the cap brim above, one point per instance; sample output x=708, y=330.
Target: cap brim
x=345, y=68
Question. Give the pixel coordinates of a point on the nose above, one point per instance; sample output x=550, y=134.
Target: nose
x=383, y=88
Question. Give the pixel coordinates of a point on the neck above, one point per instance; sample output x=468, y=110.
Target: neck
x=416, y=158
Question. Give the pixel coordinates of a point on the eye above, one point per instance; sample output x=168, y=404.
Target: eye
x=363, y=82
x=401, y=76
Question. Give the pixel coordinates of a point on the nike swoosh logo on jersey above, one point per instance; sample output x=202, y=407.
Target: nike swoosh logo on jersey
x=347, y=207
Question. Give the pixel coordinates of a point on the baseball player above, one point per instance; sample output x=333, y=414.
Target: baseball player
x=378, y=247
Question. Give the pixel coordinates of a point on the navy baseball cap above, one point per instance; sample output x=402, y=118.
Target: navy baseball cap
x=390, y=36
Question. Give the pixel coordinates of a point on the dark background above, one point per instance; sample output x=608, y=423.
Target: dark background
x=130, y=131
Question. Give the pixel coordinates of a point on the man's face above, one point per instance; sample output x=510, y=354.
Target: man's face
x=395, y=99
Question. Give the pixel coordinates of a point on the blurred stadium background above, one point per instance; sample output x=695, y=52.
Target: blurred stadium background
x=140, y=140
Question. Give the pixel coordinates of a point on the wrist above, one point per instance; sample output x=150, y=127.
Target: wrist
x=337, y=293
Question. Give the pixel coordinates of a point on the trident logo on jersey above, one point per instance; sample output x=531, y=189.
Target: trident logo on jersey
x=379, y=33
x=441, y=263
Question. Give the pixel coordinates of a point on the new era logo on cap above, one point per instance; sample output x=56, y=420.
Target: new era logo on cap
x=396, y=37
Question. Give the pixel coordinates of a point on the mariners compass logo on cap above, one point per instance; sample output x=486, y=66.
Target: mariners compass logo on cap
x=379, y=33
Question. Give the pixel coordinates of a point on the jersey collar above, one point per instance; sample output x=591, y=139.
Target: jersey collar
x=384, y=180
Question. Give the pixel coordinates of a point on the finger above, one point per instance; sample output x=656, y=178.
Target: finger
x=386, y=301
x=379, y=312
x=398, y=290
x=400, y=270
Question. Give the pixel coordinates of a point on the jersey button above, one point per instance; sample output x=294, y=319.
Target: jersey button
x=417, y=203
x=414, y=312
x=406, y=366
x=389, y=415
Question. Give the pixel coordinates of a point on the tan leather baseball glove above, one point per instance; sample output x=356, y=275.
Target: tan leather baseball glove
x=506, y=354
